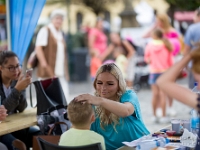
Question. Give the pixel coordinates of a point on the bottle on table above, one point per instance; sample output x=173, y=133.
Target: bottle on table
x=194, y=119
x=151, y=144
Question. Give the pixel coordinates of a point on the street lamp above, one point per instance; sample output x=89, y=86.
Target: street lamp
x=128, y=16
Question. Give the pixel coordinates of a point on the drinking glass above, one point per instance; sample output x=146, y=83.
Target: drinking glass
x=175, y=125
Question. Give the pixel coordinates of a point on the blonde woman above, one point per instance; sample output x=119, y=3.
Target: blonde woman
x=117, y=109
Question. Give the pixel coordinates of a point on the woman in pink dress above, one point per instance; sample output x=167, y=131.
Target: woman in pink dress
x=97, y=38
x=97, y=42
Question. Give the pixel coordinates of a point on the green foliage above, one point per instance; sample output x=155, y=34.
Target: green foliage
x=184, y=4
x=2, y=2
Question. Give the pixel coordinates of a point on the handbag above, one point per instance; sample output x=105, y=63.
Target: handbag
x=51, y=106
x=32, y=60
x=49, y=94
x=54, y=121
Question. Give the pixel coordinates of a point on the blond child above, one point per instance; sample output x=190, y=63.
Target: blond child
x=81, y=115
x=120, y=60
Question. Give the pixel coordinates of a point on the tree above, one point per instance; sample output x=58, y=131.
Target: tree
x=188, y=5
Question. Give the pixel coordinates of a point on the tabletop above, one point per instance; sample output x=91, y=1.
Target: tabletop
x=19, y=121
x=133, y=148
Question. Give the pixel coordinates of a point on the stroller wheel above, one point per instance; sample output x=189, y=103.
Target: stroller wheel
x=137, y=87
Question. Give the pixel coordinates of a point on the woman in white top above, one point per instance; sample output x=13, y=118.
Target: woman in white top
x=53, y=60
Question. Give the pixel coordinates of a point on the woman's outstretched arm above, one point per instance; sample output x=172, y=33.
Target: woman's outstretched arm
x=117, y=108
x=167, y=83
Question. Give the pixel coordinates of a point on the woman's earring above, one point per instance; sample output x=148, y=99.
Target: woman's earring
x=119, y=94
x=96, y=93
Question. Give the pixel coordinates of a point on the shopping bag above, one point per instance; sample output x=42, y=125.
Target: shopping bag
x=49, y=94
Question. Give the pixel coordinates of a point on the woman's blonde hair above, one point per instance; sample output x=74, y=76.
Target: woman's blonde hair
x=100, y=111
x=195, y=56
x=164, y=19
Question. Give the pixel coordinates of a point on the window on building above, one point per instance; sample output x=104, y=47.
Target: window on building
x=79, y=19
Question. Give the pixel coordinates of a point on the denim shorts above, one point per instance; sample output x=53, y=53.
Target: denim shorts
x=153, y=77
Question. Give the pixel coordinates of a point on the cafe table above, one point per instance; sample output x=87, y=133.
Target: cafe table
x=18, y=121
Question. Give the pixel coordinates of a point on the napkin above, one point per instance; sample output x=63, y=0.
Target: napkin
x=188, y=139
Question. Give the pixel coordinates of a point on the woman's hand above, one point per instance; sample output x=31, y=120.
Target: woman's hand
x=3, y=113
x=89, y=99
x=23, y=82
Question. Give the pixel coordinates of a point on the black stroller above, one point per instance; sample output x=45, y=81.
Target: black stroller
x=141, y=69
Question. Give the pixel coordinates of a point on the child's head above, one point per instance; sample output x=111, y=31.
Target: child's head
x=157, y=34
x=118, y=51
x=80, y=113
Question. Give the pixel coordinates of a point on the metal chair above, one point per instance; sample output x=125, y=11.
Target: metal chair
x=44, y=145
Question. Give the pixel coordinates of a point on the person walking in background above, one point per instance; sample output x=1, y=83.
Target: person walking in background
x=128, y=51
x=50, y=51
x=95, y=63
x=121, y=60
x=158, y=54
x=192, y=35
x=163, y=23
x=118, y=111
x=97, y=39
x=80, y=133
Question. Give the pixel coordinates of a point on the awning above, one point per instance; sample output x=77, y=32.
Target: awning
x=184, y=15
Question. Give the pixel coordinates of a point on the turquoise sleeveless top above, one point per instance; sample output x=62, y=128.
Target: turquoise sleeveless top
x=129, y=129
